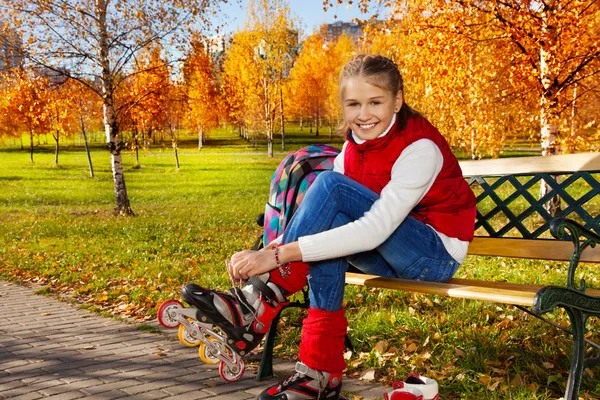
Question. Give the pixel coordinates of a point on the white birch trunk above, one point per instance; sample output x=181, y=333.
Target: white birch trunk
x=549, y=99
x=110, y=123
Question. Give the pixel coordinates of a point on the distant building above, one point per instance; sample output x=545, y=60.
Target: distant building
x=331, y=32
x=217, y=46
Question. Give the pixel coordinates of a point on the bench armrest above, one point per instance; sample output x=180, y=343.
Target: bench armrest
x=566, y=229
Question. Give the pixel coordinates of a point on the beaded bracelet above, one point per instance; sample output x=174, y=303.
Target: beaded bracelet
x=284, y=269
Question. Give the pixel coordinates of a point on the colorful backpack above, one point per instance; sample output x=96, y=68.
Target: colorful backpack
x=289, y=183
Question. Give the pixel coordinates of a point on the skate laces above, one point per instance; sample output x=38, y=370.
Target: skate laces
x=237, y=292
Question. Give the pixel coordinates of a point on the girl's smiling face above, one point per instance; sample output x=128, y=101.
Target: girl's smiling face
x=368, y=109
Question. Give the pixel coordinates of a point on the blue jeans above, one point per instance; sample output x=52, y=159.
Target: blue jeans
x=413, y=251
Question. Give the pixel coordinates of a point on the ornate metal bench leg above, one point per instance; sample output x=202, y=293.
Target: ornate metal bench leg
x=265, y=370
x=578, y=320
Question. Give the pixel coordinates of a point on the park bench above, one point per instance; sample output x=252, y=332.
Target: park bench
x=512, y=222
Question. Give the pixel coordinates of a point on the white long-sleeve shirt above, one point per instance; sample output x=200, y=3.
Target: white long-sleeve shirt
x=412, y=175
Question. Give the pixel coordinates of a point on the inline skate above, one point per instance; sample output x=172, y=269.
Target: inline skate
x=225, y=325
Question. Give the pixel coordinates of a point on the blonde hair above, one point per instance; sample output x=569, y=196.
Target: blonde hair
x=378, y=71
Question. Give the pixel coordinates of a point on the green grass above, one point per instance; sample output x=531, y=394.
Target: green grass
x=57, y=228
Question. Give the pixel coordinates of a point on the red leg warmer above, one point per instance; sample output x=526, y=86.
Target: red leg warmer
x=295, y=281
x=322, y=345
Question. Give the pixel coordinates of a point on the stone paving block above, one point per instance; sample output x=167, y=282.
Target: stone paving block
x=114, y=394
x=13, y=392
x=191, y=396
x=196, y=377
x=85, y=383
x=59, y=389
x=33, y=366
x=111, y=387
x=234, y=396
x=153, y=394
x=229, y=387
x=147, y=386
x=28, y=396
x=66, y=396
x=11, y=385
x=127, y=375
x=33, y=379
x=41, y=385
x=180, y=388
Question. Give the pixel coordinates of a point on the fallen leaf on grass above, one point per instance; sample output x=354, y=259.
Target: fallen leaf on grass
x=368, y=375
x=411, y=348
x=548, y=365
x=381, y=346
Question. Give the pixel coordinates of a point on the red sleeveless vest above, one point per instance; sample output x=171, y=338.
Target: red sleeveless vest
x=449, y=206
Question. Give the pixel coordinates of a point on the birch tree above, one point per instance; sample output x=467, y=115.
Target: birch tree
x=96, y=43
x=278, y=33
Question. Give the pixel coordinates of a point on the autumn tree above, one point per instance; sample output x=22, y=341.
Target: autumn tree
x=307, y=83
x=61, y=97
x=96, y=43
x=313, y=84
x=27, y=103
x=338, y=54
x=275, y=28
x=144, y=98
x=88, y=115
x=202, y=91
x=241, y=83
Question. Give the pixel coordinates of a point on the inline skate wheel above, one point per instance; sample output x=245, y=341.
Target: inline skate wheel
x=186, y=339
x=232, y=374
x=206, y=354
x=164, y=310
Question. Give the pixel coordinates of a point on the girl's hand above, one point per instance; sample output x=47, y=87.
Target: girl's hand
x=250, y=263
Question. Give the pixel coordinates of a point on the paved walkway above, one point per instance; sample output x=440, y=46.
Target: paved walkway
x=51, y=349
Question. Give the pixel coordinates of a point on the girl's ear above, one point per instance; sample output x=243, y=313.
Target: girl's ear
x=399, y=101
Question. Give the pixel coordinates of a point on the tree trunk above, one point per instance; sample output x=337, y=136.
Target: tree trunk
x=301, y=125
x=268, y=121
x=110, y=124
x=56, y=139
x=31, y=144
x=473, y=146
x=317, y=121
x=176, y=155
x=549, y=99
x=573, y=136
x=330, y=129
x=282, y=114
x=85, y=142
x=21, y=138
x=136, y=145
x=200, y=137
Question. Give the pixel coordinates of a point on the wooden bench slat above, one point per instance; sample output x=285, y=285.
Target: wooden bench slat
x=532, y=165
x=497, y=292
x=528, y=248
x=479, y=292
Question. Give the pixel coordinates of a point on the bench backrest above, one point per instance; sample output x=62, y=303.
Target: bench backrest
x=511, y=218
